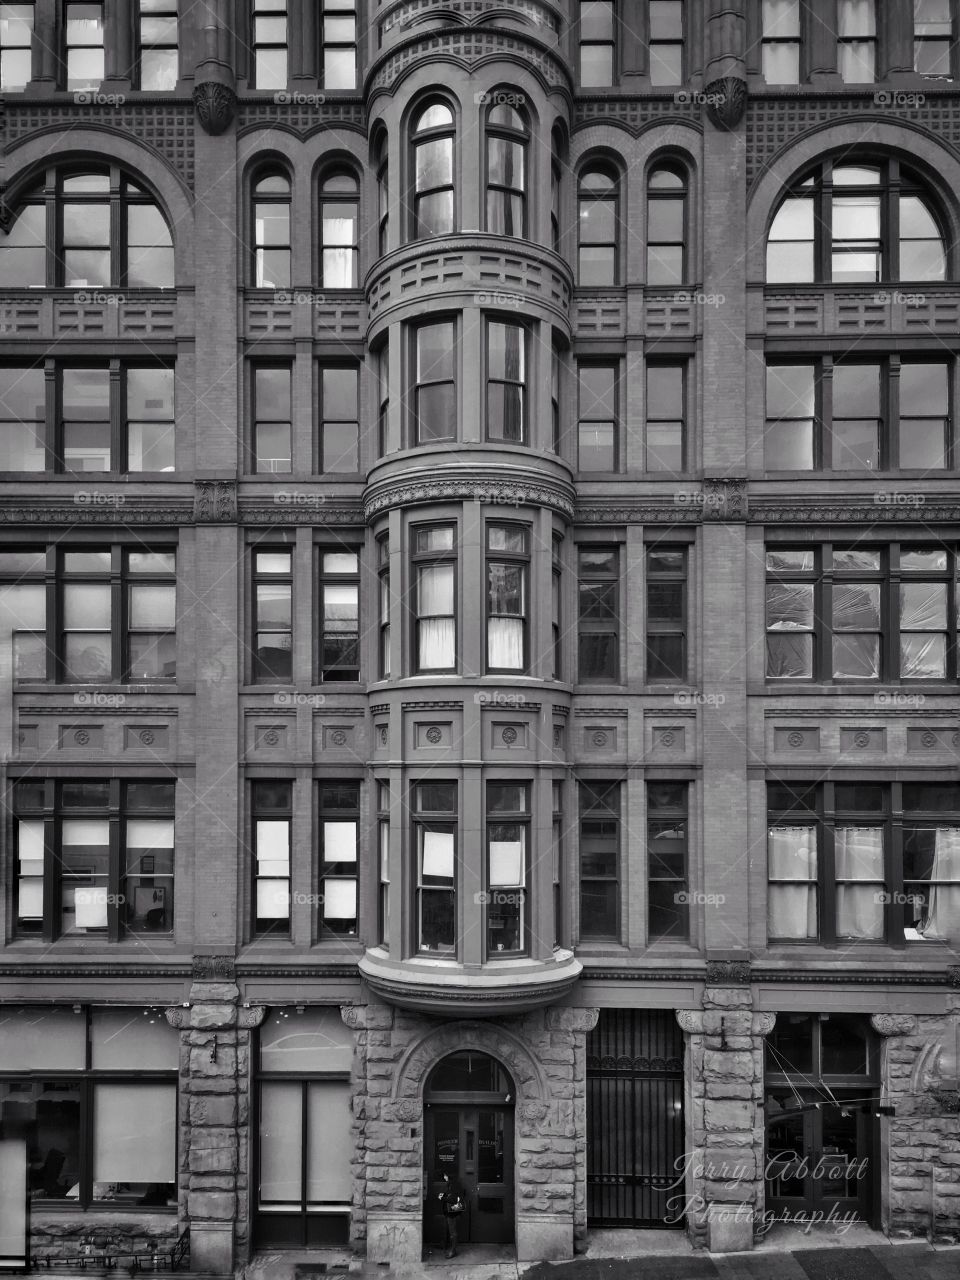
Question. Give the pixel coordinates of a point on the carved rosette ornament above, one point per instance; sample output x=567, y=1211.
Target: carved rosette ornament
x=250, y=1018
x=726, y=101
x=893, y=1024
x=215, y=105
x=728, y=973
x=215, y=500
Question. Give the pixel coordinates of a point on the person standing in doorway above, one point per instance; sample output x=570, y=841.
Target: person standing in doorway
x=452, y=1206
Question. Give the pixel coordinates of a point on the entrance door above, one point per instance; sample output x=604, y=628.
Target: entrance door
x=474, y=1145
x=819, y=1161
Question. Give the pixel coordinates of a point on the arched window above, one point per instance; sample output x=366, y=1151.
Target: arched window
x=556, y=172
x=88, y=230
x=507, y=134
x=339, y=216
x=271, y=230
x=434, y=134
x=599, y=224
x=850, y=223
x=666, y=225
x=383, y=196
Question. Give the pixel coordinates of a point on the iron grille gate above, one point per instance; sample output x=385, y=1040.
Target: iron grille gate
x=635, y=1119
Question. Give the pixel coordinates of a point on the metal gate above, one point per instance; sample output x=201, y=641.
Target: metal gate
x=635, y=1119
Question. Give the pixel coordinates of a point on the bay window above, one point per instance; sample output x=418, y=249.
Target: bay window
x=383, y=579
x=435, y=845
x=435, y=587
x=508, y=837
x=435, y=386
x=383, y=863
x=434, y=137
x=508, y=569
x=95, y=858
x=507, y=135
x=506, y=382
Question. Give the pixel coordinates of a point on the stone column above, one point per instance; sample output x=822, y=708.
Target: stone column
x=724, y=1160
x=214, y=1115
x=568, y=1029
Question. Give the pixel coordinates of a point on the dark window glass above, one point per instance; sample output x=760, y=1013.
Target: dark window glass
x=598, y=425
x=666, y=613
x=599, y=613
x=273, y=615
x=599, y=860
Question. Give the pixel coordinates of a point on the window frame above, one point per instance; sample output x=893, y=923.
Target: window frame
x=85, y=88
x=797, y=41
x=347, y=200
x=614, y=818
x=515, y=559
x=257, y=14
x=6, y=49
x=584, y=419
x=683, y=365
x=259, y=577
x=428, y=559
x=588, y=626
x=518, y=385
x=327, y=578
x=420, y=818
x=614, y=198
x=516, y=137
x=677, y=816
x=654, y=195
x=872, y=41
x=414, y=330
x=657, y=627
x=919, y=40
x=338, y=869
x=332, y=366
x=258, y=247
x=337, y=10
x=383, y=862
x=522, y=818
x=261, y=812
x=384, y=606
x=117, y=813
x=653, y=42
x=173, y=11
x=612, y=44
x=256, y=367
x=418, y=137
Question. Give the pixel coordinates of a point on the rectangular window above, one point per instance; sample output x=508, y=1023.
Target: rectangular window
x=851, y=614
x=508, y=843
x=383, y=399
x=78, y=1122
x=339, y=865
x=273, y=615
x=599, y=860
x=272, y=818
x=116, y=417
x=857, y=41
x=151, y=610
x=272, y=419
x=435, y=577
x=666, y=42
x=556, y=609
x=931, y=861
x=667, y=871
x=383, y=578
x=339, y=37
x=339, y=615
x=16, y=41
x=83, y=26
x=555, y=367
x=159, y=53
x=23, y=613
x=598, y=586
x=781, y=41
x=793, y=859
x=95, y=858
x=383, y=863
x=597, y=43
x=933, y=37
x=599, y=429
x=339, y=418
x=665, y=417
x=506, y=382
x=435, y=844
x=666, y=613
x=270, y=44
x=508, y=571
x=886, y=414
x=558, y=867
x=435, y=388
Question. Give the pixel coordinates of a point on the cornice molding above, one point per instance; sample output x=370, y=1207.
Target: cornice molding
x=527, y=490
x=468, y=47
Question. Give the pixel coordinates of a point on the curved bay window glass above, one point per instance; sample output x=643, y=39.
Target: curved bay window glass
x=271, y=231
x=506, y=382
x=435, y=595
x=383, y=196
x=508, y=568
x=435, y=387
x=339, y=236
x=507, y=136
x=856, y=224
x=85, y=230
x=435, y=850
x=434, y=136
x=598, y=207
x=666, y=226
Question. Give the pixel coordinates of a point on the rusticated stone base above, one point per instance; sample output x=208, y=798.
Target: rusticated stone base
x=74, y=1236
x=545, y=1053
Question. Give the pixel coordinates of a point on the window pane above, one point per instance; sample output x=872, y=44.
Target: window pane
x=280, y=1141
x=133, y=1040
x=36, y=1039
x=329, y=1143
x=596, y=66
x=781, y=63
x=788, y=445
x=47, y=1115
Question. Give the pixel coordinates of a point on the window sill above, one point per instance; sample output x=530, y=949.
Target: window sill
x=887, y=695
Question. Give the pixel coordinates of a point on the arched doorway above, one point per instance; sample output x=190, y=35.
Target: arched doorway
x=469, y=1134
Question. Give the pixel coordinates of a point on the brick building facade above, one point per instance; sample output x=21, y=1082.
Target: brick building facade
x=479, y=541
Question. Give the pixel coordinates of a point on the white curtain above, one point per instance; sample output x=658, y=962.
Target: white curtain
x=435, y=613
x=942, y=916
x=792, y=856
x=859, y=856
x=505, y=643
